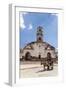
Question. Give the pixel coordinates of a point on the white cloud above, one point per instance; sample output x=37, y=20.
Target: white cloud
x=22, y=24
x=30, y=26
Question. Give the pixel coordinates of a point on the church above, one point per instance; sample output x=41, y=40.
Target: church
x=37, y=49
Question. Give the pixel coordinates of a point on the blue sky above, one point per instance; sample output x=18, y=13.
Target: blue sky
x=29, y=21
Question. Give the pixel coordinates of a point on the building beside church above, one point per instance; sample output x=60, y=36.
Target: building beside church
x=37, y=49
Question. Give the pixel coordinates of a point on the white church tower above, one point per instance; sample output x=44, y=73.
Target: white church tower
x=39, y=34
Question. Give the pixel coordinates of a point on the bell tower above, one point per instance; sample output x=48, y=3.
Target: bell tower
x=39, y=34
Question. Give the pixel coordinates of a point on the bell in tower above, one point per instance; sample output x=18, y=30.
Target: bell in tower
x=39, y=34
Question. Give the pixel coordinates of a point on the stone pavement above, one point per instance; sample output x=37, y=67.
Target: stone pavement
x=35, y=69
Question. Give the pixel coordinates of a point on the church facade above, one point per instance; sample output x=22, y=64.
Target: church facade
x=37, y=49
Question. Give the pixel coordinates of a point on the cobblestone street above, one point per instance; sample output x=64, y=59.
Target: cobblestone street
x=35, y=69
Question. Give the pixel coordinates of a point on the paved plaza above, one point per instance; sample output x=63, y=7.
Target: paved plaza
x=35, y=69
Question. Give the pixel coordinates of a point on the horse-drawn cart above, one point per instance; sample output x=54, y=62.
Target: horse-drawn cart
x=47, y=65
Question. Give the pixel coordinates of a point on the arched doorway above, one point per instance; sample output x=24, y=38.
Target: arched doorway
x=49, y=56
x=27, y=56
